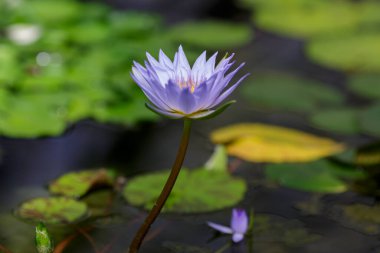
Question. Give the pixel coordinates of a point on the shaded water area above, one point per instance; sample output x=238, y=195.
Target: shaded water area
x=285, y=220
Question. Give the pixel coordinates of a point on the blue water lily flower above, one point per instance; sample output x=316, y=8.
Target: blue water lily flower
x=238, y=227
x=176, y=90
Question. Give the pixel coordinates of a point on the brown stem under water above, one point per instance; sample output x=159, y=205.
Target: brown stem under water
x=143, y=230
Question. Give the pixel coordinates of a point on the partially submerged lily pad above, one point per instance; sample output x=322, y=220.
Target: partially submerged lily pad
x=368, y=155
x=77, y=184
x=283, y=92
x=370, y=120
x=53, y=210
x=268, y=143
x=366, y=85
x=320, y=176
x=198, y=190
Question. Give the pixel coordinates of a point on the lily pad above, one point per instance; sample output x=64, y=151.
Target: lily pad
x=284, y=92
x=352, y=53
x=77, y=184
x=198, y=190
x=344, y=121
x=53, y=210
x=366, y=85
x=370, y=120
x=319, y=177
x=267, y=143
x=212, y=34
x=308, y=19
x=30, y=118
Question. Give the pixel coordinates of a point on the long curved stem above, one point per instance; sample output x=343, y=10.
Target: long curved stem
x=143, y=230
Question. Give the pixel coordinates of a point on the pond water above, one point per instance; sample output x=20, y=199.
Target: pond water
x=285, y=219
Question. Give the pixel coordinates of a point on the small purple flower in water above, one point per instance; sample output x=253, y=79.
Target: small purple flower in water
x=176, y=90
x=238, y=227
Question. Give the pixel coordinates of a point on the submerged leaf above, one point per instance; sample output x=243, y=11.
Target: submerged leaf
x=319, y=176
x=267, y=143
x=53, y=210
x=77, y=184
x=195, y=191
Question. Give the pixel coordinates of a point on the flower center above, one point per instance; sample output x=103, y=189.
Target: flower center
x=190, y=84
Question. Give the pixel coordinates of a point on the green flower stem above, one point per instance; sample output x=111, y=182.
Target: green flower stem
x=143, y=230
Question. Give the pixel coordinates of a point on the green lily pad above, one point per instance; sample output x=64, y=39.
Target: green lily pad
x=370, y=120
x=195, y=191
x=353, y=53
x=289, y=93
x=53, y=210
x=320, y=176
x=89, y=33
x=365, y=85
x=307, y=19
x=27, y=118
x=212, y=34
x=50, y=13
x=344, y=121
x=77, y=184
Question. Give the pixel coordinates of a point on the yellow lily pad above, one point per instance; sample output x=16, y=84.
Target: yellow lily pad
x=267, y=143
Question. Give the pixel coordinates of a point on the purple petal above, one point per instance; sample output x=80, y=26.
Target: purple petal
x=237, y=237
x=165, y=61
x=228, y=91
x=173, y=92
x=186, y=101
x=220, y=228
x=239, y=221
x=210, y=65
x=197, y=72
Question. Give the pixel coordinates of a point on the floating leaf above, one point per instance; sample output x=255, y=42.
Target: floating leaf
x=30, y=118
x=315, y=177
x=195, y=191
x=356, y=52
x=218, y=160
x=267, y=143
x=289, y=93
x=365, y=85
x=307, y=20
x=77, y=184
x=212, y=34
x=343, y=121
x=53, y=210
x=44, y=242
x=370, y=120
